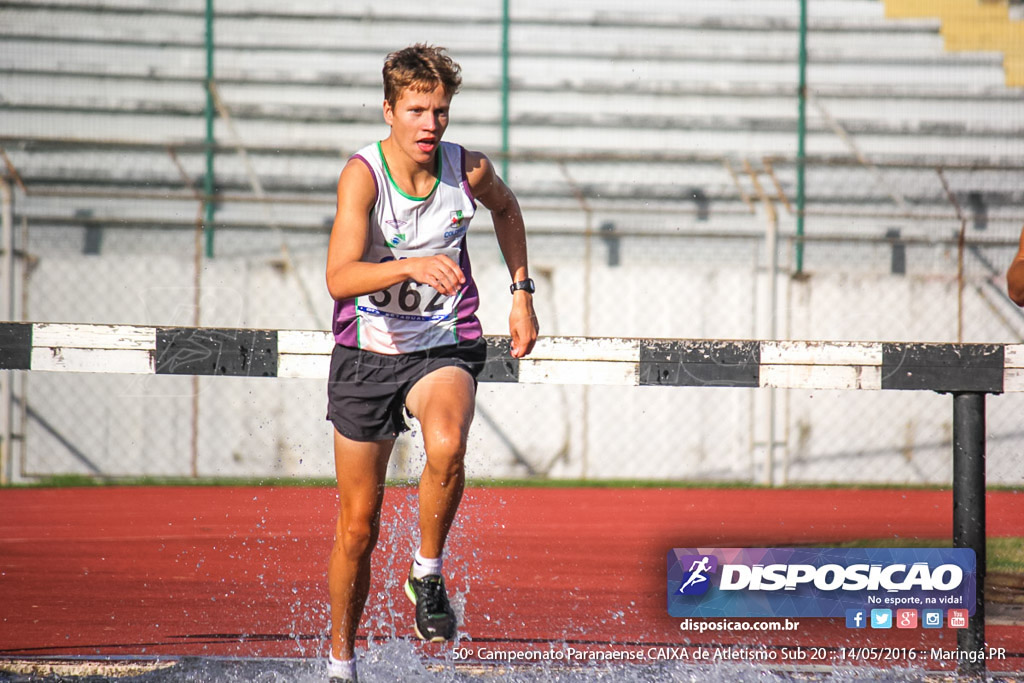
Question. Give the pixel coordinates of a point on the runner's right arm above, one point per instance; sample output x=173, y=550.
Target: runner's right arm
x=348, y=275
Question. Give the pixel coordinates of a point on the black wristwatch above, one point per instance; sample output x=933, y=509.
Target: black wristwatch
x=525, y=285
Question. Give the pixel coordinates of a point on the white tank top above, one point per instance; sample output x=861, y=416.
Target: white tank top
x=407, y=316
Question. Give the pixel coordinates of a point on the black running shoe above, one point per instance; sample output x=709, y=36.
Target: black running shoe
x=435, y=620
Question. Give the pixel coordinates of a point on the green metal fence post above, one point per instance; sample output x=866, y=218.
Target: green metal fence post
x=801, y=139
x=208, y=181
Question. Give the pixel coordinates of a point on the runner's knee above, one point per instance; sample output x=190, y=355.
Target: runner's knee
x=358, y=537
x=446, y=447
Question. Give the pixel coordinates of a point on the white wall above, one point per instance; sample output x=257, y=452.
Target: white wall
x=684, y=288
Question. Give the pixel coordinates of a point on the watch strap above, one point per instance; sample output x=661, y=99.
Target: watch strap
x=525, y=285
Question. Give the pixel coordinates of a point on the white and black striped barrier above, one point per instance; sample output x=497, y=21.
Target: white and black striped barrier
x=130, y=349
x=967, y=371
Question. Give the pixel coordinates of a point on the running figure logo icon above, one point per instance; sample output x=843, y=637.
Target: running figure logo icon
x=696, y=581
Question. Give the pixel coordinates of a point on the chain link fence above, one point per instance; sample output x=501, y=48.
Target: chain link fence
x=656, y=159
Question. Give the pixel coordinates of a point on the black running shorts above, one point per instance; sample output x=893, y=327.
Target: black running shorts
x=366, y=391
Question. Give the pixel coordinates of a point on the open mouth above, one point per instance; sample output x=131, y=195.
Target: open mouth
x=427, y=144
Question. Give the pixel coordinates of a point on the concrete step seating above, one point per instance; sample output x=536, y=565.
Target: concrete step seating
x=645, y=109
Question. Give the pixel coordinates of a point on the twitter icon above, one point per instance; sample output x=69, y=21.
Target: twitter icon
x=881, y=618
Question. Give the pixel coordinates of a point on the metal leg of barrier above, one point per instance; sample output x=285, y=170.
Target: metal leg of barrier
x=969, y=510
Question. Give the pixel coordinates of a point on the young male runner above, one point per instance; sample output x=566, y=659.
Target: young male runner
x=406, y=330
x=1015, y=275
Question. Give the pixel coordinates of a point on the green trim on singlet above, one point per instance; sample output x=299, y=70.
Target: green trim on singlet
x=455, y=312
x=387, y=171
x=359, y=324
x=355, y=300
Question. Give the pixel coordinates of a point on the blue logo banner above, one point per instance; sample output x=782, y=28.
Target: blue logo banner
x=819, y=582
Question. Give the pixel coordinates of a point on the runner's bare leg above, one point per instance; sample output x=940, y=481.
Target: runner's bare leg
x=443, y=402
x=361, y=468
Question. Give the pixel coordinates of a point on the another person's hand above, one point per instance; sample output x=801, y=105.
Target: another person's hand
x=1015, y=275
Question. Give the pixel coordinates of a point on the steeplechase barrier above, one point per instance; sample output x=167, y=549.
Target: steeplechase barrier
x=966, y=371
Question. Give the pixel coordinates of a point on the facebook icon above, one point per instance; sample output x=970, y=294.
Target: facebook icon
x=856, y=618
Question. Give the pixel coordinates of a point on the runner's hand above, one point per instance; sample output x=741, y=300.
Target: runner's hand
x=522, y=324
x=439, y=272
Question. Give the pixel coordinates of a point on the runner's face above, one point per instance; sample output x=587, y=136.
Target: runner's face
x=418, y=121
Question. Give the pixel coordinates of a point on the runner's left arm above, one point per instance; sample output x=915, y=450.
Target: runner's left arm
x=495, y=195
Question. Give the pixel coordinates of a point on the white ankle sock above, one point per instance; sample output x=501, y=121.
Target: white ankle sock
x=423, y=566
x=345, y=669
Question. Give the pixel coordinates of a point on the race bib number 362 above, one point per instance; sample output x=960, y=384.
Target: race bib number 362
x=410, y=300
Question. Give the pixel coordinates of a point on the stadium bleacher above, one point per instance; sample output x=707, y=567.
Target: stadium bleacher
x=649, y=114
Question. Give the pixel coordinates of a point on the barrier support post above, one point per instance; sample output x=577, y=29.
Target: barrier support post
x=969, y=510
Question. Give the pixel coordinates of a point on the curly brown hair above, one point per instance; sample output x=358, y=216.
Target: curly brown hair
x=422, y=68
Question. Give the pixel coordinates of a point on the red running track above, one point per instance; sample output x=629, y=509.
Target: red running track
x=241, y=571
